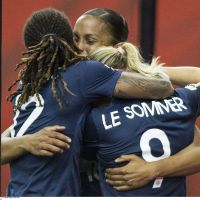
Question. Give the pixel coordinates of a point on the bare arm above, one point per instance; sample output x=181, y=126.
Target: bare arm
x=11, y=149
x=138, y=173
x=184, y=163
x=135, y=85
x=45, y=142
x=183, y=75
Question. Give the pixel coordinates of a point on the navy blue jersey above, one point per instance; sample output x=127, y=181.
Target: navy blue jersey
x=151, y=129
x=58, y=175
x=90, y=181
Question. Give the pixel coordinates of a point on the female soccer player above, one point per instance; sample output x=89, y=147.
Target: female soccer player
x=151, y=129
x=90, y=32
x=95, y=28
x=57, y=86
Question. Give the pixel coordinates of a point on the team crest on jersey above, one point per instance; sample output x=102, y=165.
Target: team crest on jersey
x=192, y=86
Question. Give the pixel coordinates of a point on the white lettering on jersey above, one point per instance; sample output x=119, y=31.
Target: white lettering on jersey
x=152, y=110
x=137, y=110
x=146, y=137
x=32, y=117
x=192, y=87
x=105, y=123
x=145, y=144
x=174, y=104
x=114, y=116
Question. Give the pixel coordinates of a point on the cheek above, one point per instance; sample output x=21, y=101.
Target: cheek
x=92, y=48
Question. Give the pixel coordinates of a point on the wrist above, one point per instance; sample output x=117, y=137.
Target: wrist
x=154, y=170
x=24, y=145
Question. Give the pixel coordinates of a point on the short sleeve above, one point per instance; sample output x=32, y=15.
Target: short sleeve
x=97, y=80
x=191, y=93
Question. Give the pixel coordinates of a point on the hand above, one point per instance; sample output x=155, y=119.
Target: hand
x=135, y=174
x=47, y=141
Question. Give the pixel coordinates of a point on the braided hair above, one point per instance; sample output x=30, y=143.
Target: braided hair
x=50, y=49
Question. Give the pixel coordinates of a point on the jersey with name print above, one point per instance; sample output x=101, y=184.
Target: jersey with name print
x=151, y=129
x=58, y=175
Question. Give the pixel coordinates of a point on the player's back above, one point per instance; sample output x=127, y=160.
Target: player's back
x=150, y=129
x=57, y=175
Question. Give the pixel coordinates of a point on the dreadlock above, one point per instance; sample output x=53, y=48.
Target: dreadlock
x=50, y=49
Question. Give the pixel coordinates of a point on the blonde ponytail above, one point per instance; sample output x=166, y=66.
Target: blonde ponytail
x=126, y=56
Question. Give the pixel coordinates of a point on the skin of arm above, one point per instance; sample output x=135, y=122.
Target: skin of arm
x=123, y=178
x=185, y=162
x=45, y=142
x=183, y=75
x=135, y=85
x=138, y=173
x=48, y=141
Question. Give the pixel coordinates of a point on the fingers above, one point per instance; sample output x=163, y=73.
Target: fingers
x=60, y=136
x=115, y=177
x=51, y=148
x=58, y=143
x=116, y=183
x=118, y=177
x=53, y=131
x=126, y=158
x=55, y=128
x=116, y=171
x=123, y=185
x=45, y=153
x=123, y=188
x=49, y=141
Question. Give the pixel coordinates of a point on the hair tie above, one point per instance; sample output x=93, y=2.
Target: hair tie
x=121, y=50
x=47, y=35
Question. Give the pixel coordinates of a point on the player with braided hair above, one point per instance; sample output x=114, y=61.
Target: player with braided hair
x=57, y=86
x=46, y=56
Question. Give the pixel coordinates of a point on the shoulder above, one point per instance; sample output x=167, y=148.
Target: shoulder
x=94, y=65
x=190, y=89
x=190, y=93
x=89, y=63
x=84, y=66
x=193, y=87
